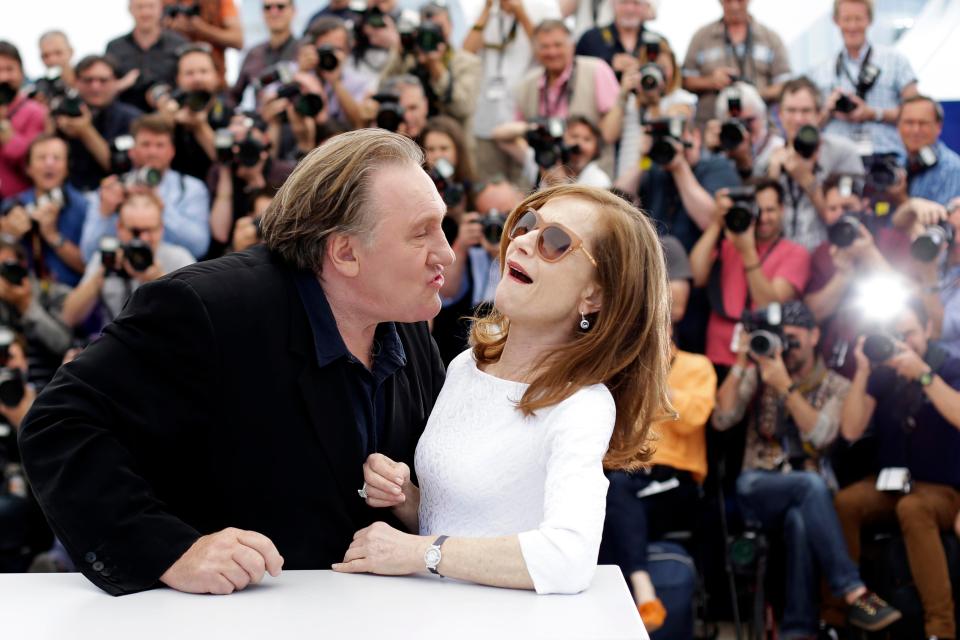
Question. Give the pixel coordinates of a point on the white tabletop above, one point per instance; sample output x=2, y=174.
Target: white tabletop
x=317, y=604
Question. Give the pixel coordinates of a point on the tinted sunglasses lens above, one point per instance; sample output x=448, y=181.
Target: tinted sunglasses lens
x=554, y=242
x=525, y=224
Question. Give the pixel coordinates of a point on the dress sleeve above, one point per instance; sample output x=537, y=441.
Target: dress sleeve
x=561, y=554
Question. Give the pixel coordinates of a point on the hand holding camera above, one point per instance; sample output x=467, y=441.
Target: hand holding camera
x=773, y=372
x=77, y=126
x=723, y=77
x=16, y=223
x=14, y=290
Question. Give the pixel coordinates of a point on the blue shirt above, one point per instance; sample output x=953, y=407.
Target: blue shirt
x=70, y=226
x=941, y=182
x=950, y=299
x=910, y=431
x=365, y=389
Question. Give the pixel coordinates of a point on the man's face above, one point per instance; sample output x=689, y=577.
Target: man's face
x=338, y=39
x=55, y=52
x=146, y=13
x=154, y=150
x=918, y=125
x=196, y=71
x=853, y=19
x=629, y=14
x=837, y=204
x=47, y=166
x=797, y=358
x=554, y=50
x=502, y=196
x=914, y=334
x=771, y=215
x=400, y=270
x=97, y=85
x=278, y=14
x=10, y=72
x=734, y=10
x=796, y=110
x=415, y=109
x=140, y=219
x=440, y=18
x=580, y=134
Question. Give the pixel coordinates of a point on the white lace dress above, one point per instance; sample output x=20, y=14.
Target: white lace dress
x=486, y=471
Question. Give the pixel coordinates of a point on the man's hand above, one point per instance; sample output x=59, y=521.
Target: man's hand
x=863, y=112
x=388, y=482
x=128, y=80
x=679, y=158
x=745, y=243
x=151, y=273
x=18, y=295
x=224, y=562
x=624, y=62
x=433, y=62
x=244, y=234
x=76, y=127
x=16, y=223
x=907, y=362
x=774, y=373
x=722, y=77
x=15, y=415
x=800, y=169
x=863, y=362
x=46, y=216
x=307, y=58
x=383, y=550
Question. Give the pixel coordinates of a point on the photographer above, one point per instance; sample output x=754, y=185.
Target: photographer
x=186, y=200
x=246, y=231
x=501, y=37
x=450, y=76
x=678, y=183
x=449, y=163
x=794, y=405
x=375, y=37
x=555, y=153
x=741, y=130
x=325, y=52
x=735, y=47
x=137, y=255
x=57, y=55
x=621, y=42
x=912, y=400
x=21, y=120
x=48, y=219
x=102, y=119
x=213, y=22
x=856, y=248
x=752, y=266
x=471, y=281
x=146, y=56
x=402, y=106
x=865, y=84
x=933, y=169
x=806, y=160
x=281, y=46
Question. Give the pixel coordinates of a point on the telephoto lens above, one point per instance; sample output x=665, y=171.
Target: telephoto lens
x=879, y=347
x=138, y=254
x=328, y=57
x=493, y=224
x=807, y=141
x=732, y=134
x=927, y=246
x=651, y=77
x=743, y=211
x=844, y=231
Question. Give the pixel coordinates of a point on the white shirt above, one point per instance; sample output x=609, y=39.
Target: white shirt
x=485, y=471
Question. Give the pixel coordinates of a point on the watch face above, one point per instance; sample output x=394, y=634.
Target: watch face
x=432, y=557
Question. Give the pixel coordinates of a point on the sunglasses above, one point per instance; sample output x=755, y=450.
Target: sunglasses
x=275, y=7
x=555, y=240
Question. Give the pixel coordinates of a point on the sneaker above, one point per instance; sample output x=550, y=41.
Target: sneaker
x=871, y=613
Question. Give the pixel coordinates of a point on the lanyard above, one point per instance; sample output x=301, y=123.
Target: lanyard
x=842, y=68
x=795, y=192
x=747, y=50
x=548, y=110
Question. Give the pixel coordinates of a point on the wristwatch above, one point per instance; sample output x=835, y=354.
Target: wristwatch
x=878, y=115
x=432, y=556
x=926, y=378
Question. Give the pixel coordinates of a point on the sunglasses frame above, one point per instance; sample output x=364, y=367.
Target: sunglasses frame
x=575, y=241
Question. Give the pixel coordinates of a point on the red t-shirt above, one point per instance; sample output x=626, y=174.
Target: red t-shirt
x=27, y=121
x=782, y=259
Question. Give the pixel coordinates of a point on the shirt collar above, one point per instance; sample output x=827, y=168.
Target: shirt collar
x=562, y=80
x=327, y=340
x=861, y=54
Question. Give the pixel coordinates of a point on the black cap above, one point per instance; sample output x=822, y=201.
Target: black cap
x=797, y=314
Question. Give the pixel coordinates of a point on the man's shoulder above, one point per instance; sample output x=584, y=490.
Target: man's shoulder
x=120, y=42
x=121, y=111
x=706, y=33
x=170, y=39
x=188, y=181
x=947, y=156
x=763, y=33
x=590, y=64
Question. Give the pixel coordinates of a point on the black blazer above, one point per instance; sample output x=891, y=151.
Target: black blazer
x=203, y=407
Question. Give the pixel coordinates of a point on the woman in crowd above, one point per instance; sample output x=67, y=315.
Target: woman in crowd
x=444, y=142
x=565, y=376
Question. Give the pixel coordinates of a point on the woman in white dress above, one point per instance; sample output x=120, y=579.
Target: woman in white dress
x=565, y=376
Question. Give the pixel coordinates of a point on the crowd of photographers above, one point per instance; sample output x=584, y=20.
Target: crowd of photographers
x=808, y=216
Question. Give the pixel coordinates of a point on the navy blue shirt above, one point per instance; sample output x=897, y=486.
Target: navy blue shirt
x=110, y=122
x=910, y=431
x=365, y=386
x=604, y=43
x=661, y=200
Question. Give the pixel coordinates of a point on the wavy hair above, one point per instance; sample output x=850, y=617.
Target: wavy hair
x=627, y=347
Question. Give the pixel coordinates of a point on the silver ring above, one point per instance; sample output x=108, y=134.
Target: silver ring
x=362, y=492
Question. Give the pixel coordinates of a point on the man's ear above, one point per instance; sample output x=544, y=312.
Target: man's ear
x=592, y=299
x=342, y=255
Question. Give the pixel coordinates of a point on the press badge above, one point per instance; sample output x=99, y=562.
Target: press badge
x=895, y=479
x=496, y=89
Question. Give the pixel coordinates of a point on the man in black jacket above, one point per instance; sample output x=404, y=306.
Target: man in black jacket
x=223, y=419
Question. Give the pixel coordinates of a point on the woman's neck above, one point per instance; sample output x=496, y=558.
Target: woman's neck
x=525, y=351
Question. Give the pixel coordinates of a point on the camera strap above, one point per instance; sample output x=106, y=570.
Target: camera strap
x=747, y=50
x=842, y=69
x=715, y=288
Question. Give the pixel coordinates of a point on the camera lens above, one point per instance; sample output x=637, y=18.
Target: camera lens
x=806, y=141
x=764, y=343
x=309, y=104
x=844, y=231
x=878, y=347
x=389, y=116
x=328, y=58
x=732, y=135
x=662, y=152
x=7, y=93
x=738, y=219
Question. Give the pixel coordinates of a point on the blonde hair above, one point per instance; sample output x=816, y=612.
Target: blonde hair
x=628, y=346
x=329, y=192
x=867, y=3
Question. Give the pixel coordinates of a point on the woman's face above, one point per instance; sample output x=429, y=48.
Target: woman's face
x=439, y=145
x=580, y=134
x=550, y=296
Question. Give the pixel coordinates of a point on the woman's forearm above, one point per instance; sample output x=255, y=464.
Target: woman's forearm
x=497, y=562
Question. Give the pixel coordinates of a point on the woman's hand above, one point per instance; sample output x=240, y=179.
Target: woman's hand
x=387, y=482
x=383, y=550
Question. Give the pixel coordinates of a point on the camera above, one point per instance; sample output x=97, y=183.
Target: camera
x=12, y=383
x=764, y=329
x=195, y=100
x=744, y=211
x=442, y=173
x=925, y=158
x=926, y=247
x=651, y=44
x=7, y=93
x=120, y=154
x=881, y=171
x=138, y=255
x=879, y=347
x=664, y=132
x=546, y=140
x=328, y=58
x=245, y=153
x=13, y=272
x=174, y=10
x=844, y=231
x=426, y=38
x=493, y=222
x=142, y=177
x=734, y=131
x=306, y=104
x=390, y=113
x=278, y=73
x=807, y=141
x=67, y=104
x=651, y=77
x=844, y=104
x=866, y=79
x=49, y=86
x=371, y=16
x=108, y=254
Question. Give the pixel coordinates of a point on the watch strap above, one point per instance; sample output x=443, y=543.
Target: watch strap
x=926, y=378
x=436, y=545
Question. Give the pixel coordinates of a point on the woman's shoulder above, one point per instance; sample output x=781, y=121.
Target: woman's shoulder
x=594, y=403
